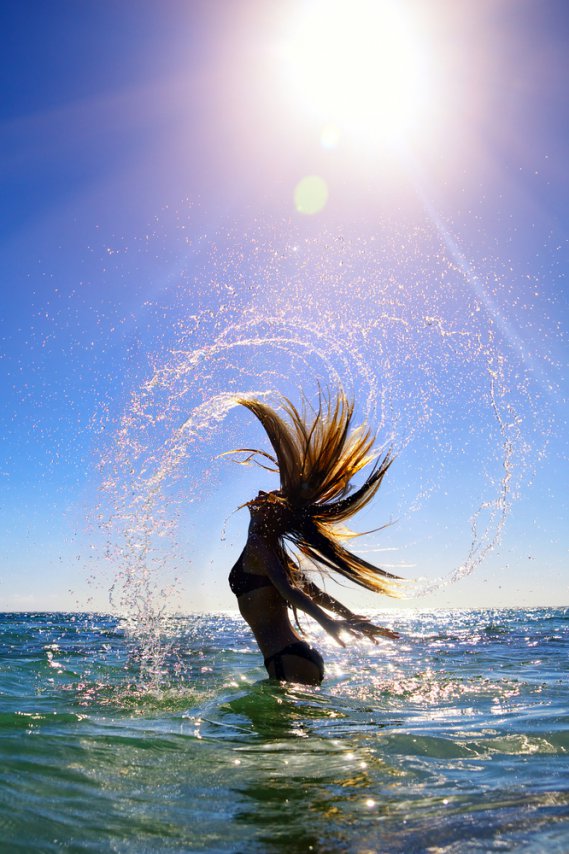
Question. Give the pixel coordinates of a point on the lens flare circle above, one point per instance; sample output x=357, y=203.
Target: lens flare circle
x=310, y=195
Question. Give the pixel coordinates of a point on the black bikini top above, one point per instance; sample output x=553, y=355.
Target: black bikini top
x=242, y=581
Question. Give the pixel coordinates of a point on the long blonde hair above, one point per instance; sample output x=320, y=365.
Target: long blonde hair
x=316, y=457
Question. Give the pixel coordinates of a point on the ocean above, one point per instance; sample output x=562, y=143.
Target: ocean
x=453, y=739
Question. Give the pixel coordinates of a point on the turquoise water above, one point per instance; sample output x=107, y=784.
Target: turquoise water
x=454, y=739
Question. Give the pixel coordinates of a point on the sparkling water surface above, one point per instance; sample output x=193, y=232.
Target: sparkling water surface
x=453, y=739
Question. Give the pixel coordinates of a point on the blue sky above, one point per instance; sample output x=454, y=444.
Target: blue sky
x=150, y=232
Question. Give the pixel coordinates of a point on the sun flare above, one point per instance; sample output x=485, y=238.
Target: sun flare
x=362, y=65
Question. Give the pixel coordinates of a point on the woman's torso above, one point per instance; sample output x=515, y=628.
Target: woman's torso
x=260, y=603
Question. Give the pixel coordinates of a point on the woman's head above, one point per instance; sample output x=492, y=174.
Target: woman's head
x=270, y=513
x=316, y=457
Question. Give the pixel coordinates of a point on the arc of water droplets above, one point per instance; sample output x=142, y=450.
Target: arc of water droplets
x=482, y=544
x=141, y=509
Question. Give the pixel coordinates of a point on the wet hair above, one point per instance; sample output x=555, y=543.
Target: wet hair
x=316, y=457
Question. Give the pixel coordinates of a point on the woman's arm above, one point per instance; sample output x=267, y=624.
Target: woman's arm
x=356, y=622
x=325, y=600
x=295, y=597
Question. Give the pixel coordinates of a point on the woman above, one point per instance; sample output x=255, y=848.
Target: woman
x=316, y=459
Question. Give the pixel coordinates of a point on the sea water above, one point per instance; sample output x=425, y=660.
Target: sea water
x=455, y=738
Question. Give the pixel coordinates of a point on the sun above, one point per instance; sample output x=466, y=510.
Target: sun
x=361, y=65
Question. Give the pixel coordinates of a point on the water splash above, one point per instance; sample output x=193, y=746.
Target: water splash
x=392, y=321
